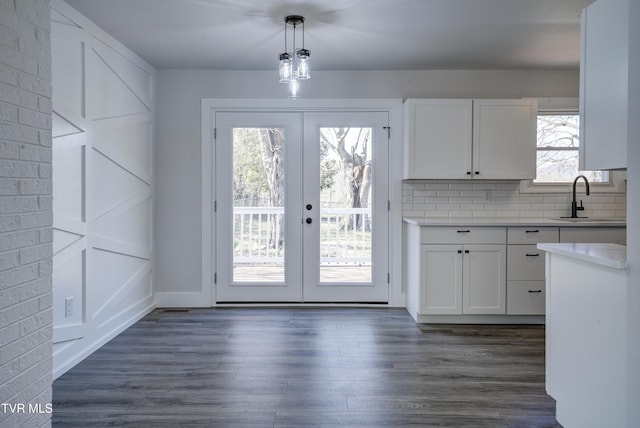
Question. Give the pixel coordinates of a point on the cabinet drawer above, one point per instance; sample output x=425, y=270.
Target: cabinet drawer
x=525, y=262
x=532, y=235
x=525, y=297
x=463, y=235
x=609, y=235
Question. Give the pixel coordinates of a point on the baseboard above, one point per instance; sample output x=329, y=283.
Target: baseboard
x=183, y=299
x=478, y=319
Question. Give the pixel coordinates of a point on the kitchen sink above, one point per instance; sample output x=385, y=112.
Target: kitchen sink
x=592, y=219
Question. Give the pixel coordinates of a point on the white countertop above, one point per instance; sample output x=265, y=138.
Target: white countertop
x=513, y=221
x=609, y=255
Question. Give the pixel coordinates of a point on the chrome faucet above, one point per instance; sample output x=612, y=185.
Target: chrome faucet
x=574, y=205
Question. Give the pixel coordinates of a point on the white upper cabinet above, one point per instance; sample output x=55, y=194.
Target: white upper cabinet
x=604, y=85
x=464, y=139
x=438, y=137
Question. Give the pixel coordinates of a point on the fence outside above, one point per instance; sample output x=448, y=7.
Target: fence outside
x=345, y=235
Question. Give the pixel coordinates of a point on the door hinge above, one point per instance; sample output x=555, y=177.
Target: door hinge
x=388, y=277
x=215, y=278
x=215, y=133
x=388, y=128
x=215, y=206
x=389, y=205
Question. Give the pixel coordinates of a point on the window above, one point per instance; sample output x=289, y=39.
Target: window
x=557, y=150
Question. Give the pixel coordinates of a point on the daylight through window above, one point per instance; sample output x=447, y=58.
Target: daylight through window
x=557, y=156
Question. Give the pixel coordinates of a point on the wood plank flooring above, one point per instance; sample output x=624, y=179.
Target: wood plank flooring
x=308, y=367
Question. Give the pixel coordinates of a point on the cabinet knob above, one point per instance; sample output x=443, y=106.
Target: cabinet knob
x=477, y=172
x=466, y=251
x=459, y=251
x=468, y=172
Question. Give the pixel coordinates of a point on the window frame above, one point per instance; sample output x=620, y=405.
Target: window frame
x=569, y=106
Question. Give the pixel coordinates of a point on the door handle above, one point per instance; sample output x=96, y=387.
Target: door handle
x=309, y=220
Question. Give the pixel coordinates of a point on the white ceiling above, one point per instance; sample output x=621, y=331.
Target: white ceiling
x=346, y=34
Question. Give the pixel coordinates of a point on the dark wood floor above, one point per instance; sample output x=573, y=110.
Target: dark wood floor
x=308, y=367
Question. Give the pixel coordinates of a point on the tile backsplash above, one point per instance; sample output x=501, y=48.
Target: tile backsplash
x=477, y=198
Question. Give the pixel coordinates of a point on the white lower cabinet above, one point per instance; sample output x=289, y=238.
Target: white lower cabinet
x=484, y=274
x=442, y=279
x=483, y=279
x=525, y=269
x=460, y=274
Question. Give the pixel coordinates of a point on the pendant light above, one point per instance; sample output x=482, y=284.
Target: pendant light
x=294, y=63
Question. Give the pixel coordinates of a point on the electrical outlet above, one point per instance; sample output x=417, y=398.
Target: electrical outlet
x=68, y=307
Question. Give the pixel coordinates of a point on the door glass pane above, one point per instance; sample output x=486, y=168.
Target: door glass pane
x=345, y=204
x=258, y=205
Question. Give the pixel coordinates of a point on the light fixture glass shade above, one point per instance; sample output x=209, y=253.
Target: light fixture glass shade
x=285, y=68
x=303, y=64
x=293, y=86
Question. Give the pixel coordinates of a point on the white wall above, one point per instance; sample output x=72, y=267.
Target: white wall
x=103, y=124
x=633, y=222
x=25, y=213
x=178, y=208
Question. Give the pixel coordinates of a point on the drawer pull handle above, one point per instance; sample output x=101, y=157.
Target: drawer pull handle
x=464, y=231
x=459, y=251
x=532, y=255
x=466, y=251
x=531, y=231
x=535, y=291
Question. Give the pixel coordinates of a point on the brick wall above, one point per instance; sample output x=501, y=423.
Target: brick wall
x=25, y=213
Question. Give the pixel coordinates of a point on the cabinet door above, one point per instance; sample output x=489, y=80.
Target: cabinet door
x=504, y=139
x=438, y=138
x=604, y=85
x=441, y=279
x=483, y=279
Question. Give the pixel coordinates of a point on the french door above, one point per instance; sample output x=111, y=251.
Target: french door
x=301, y=207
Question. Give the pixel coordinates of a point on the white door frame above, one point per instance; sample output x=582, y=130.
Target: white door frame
x=209, y=106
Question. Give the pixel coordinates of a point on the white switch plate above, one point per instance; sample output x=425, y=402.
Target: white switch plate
x=68, y=307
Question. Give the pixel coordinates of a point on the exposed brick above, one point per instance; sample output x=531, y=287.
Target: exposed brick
x=19, y=239
x=8, y=37
x=19, y=275
x=34, y=85
x=8, y=75
x=38, y=153
x=9, y=223
x=35, y=220
x=44, y=171
x=34, y=118
x=18, y=60
x=33, y=187
x=9, y=334
x=8, y=113
x=11, y=168
x=23, y=292
x=19, y=204
x=46, y=235
x=44, y=105
x=19, y=133
x=33, y=254
x=8, y=261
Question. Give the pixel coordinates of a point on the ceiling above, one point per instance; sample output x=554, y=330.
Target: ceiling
x=347, y=34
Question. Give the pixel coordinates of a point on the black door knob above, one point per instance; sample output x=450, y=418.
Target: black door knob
x=308, y=220
x=309, y=207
